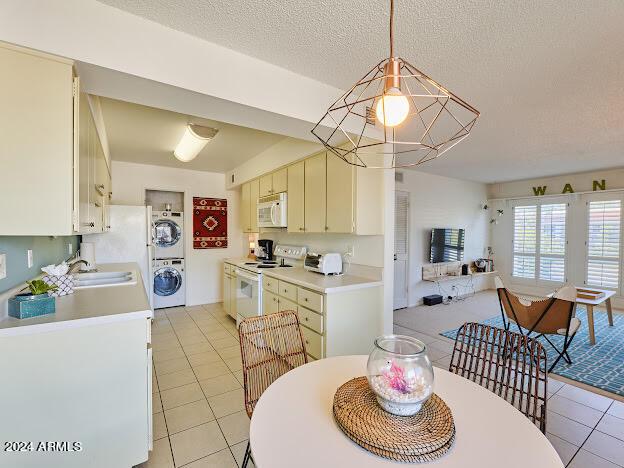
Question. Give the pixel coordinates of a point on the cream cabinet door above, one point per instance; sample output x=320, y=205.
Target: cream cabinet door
x=233, y=310
x=246, y=207
x=340, y=177
x=36, y=144
x=254, y=194
x=270, y=303
x=315, y=193
x=296, y=197
x=226, y=294
x=280, y=181
x=266, y=185
x=84, y=221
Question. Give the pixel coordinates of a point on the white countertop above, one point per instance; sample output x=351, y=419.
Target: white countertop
x=321, y=283
x=89, y=306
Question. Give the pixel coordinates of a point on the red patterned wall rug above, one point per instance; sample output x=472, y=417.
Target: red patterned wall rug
x=209, y=223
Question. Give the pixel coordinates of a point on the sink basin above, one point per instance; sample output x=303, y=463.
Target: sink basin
x=104, y=278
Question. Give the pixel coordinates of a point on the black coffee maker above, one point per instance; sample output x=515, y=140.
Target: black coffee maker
x=264, y=250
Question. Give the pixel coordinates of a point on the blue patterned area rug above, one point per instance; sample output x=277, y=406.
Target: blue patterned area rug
x=601, y=365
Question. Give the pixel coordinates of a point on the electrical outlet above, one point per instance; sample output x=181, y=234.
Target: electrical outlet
x=70, y=249
x=30, y=258
x=3, y=272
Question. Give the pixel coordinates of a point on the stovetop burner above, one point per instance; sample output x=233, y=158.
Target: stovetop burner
x=266, y=266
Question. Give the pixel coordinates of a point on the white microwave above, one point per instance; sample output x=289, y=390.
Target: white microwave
x=272, y=211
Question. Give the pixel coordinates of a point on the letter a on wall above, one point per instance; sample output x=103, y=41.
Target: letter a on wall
x=567, y=188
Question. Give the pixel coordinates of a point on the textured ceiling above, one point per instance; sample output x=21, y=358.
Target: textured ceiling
x=547, y=75
x=146, y=135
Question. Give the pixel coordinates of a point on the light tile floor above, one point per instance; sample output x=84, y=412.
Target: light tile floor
x=199, y=415
x=585, y=427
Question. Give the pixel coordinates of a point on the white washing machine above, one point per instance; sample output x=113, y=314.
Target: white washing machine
x=168, y=284
x=168, y=234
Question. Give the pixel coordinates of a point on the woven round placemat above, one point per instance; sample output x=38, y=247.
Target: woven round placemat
x=426, y=436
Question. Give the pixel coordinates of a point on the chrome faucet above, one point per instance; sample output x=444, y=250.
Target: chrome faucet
x=74, y=266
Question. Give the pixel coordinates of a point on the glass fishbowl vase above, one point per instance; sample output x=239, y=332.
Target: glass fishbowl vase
x=400, y=374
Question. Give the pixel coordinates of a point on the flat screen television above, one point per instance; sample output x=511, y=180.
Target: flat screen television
x=447, y=245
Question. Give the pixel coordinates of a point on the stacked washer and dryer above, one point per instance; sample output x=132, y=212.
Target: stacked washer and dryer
x=168, y=240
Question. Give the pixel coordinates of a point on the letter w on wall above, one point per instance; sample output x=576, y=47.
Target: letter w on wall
x=537, y=191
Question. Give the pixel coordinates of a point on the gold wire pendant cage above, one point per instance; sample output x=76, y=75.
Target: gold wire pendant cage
x=436, y=121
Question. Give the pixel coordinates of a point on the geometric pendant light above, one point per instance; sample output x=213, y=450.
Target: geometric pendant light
x=395, y=116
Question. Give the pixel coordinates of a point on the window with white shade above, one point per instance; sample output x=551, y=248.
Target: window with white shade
x=539, y=242
x=524, y=241
x=603, y=243
x=552, y=242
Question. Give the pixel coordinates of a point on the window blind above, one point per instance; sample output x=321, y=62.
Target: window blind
x=401, y=209
x=603, y=243
x=552, y=242
x=524, y=241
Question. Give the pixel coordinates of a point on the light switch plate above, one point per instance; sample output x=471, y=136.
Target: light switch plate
x=30, y=258
x=3, y=272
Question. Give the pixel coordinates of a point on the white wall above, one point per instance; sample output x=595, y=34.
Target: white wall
x=506, y=195
x=437, y=201
x=203, y=267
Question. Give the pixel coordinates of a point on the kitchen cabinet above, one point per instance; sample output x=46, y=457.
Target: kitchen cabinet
x=266, y=185
x=296, y=197
x=87, y=382
x=270, y=304
x=254, y=187
x=48, y=180
x=280, y=181
x=332, y=324
x=275, y=182
x=340, y=178
x=229, y=290
x=249, y=206
x=315, y=193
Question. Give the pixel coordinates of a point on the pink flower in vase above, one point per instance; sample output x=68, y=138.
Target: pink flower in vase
x=395, y=379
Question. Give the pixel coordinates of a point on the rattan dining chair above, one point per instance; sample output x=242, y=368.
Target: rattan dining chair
x=507, y=363
x=553, y=315
x=271, y=345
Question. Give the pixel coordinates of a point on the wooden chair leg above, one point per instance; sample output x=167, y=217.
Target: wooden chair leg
x=590, y=323
x=609, y=312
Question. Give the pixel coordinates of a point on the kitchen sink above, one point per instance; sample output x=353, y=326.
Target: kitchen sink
x=101, y=279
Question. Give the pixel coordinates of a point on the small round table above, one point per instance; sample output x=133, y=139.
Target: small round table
x=293, y=424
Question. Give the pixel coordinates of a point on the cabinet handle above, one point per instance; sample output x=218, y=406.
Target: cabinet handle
x=305, y=299
x=101, y=186
x=307, y=342
x=326, y=228
x=306, y=319
x=88, y=224
x=302, y=229
x=274, y=299
x=97, y=205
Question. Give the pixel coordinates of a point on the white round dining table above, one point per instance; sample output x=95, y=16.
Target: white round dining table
x=293, y=424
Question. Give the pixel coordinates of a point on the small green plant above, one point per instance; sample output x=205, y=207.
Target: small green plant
x=40, y=287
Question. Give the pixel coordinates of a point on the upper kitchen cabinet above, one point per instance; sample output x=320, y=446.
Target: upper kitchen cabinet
x=296, y=197
x=315, y=181
x=249, y=206
x=276, y=182
x=36, y=143
x=340, y=203
x=49, y=148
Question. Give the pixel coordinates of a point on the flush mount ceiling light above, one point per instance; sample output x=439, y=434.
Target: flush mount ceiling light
x=395, y=116
x=193, y=141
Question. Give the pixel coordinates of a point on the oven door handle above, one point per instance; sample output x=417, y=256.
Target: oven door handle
x=247, y=276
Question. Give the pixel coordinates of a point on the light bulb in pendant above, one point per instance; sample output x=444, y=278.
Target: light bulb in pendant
x=392, y=108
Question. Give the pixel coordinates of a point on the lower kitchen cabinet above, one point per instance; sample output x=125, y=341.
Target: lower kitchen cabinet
x=229, y=290
x=332, y=324
x=88, y=386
